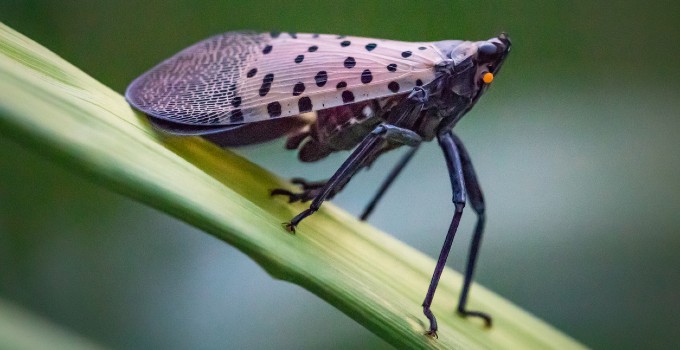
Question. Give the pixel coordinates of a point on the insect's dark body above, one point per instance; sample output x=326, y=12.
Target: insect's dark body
x=417, y=97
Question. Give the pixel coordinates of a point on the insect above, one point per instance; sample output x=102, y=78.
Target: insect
x=368, y=95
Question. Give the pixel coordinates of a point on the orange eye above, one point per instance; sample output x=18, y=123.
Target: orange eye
x=487, y=77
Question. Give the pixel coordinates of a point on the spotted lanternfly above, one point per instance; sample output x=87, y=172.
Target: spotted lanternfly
x=369, y=95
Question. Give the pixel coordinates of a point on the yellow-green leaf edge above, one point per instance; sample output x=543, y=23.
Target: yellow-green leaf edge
x=57, y=110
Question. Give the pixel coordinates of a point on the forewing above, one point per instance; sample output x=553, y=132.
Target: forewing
x=240, y=77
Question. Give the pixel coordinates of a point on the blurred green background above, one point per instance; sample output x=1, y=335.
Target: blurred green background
x=576, y=146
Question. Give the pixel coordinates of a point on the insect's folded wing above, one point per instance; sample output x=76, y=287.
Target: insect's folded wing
x=237, y=78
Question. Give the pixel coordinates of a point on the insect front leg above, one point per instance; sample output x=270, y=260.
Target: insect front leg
x=476, y=199
x=453, y=162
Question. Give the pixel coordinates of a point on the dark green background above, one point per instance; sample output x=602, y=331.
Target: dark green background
x=576, y=146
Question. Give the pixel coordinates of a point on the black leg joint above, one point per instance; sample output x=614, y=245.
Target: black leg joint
x=418, y=95
x=453, y=162
x=432, y=332
x=488, y=323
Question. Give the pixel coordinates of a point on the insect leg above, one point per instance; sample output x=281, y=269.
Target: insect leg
x=476, y=198
x=309, y=190
x=370, y=144
x=346, y=170
x=307, y=185
x=417, y=96
x=388, y=182
x=453, y=162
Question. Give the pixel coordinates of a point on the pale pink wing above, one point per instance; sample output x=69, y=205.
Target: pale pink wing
x=241, y=77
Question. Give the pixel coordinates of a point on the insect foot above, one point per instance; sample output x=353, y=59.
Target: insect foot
x=310, y=189
x=487, y=319
x=432, y=334
x=307, y=185
x=289, y=226
x=304, y=196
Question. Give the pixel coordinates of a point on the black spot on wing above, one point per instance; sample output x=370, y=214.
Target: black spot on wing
x=392, y=67
x=393, y=86
x=236, y=101
x=299, y=58
x=251, y=73
x=305, y=104
x=347, y=96
x=366, y=76
x=371, y=46
x=350, y=62
x=321, y=78
x=298, y=89
x=267, y=49
x=236, y=116
x=274, y=109
x=266, y=84
x=406, y=54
